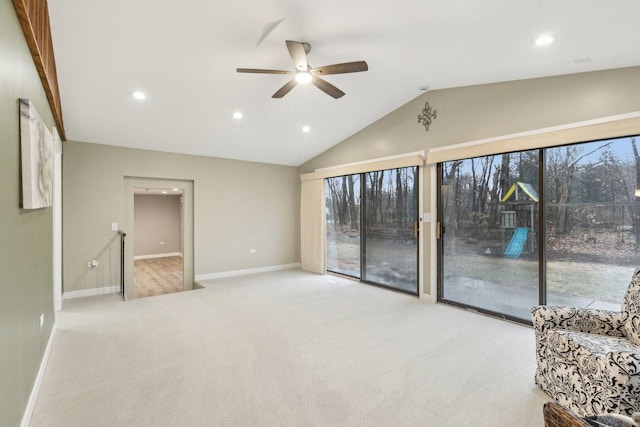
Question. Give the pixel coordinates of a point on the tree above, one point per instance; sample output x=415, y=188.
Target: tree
x=353, y=209
x=561, y=165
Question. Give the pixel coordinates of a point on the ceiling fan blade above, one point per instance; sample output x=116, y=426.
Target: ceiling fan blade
x=347, y=67
x=260, y=71
x=327, y=87
x=298, y=55
x=285, y=89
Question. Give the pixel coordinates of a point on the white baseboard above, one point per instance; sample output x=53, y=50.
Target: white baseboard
x=31, y=403
x=91, y=292
x=158, y=255
x=247, y=271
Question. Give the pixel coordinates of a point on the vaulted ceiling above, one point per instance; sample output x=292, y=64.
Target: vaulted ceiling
x=184, y=55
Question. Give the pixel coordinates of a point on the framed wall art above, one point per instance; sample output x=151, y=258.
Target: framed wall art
x=36, y=144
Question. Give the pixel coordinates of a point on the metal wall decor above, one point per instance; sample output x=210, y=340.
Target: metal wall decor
x=427, y=116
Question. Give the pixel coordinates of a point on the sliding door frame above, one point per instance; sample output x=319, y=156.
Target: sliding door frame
x=418, y=173
x=541, y=224
x=440, y=232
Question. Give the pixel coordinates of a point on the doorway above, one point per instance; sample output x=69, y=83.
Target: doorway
x=158, y=227
x=159, y=240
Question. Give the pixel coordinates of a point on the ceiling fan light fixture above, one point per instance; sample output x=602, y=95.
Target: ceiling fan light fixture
x=303, y=77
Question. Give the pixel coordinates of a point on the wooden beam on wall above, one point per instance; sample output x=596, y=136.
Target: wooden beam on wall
x=34, y=19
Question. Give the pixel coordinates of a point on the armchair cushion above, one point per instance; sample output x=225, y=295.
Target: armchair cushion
x=631, y=309
x=599, y=346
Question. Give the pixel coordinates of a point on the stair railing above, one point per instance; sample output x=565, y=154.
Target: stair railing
x=123, y=235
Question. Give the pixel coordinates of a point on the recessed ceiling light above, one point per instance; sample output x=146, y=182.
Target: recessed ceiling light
x=306, y=128
x=544, y=40
x=176, y=189
x=164, y=192
x=303, y=77
x=139, y=95
x=237, y=115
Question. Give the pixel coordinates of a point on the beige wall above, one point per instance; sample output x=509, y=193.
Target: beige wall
x=157, y=224
x=238, y=206
x=484, y=111
x=26, y=266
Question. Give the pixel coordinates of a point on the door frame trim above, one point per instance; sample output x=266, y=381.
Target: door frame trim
x=187, y=186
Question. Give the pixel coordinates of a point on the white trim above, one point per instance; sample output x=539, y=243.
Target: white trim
x=427, y=298
x=381, y=159
x=91, y=292
x=33, y=397
x=401, y=161
x=158, y=255
x=540, y=131
x=247, y=271
x=57, y=222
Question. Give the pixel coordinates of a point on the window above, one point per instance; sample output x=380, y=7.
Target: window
x=343, y=224
x=489, y=248
x=592, y=222
x=508, y=244
x=371, y=223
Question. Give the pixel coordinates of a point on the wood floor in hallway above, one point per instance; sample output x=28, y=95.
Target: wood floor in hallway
x=158, y=276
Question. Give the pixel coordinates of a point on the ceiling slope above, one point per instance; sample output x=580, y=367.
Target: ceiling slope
x=183, y=55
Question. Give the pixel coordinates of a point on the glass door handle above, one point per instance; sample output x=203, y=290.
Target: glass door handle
x=415, y=229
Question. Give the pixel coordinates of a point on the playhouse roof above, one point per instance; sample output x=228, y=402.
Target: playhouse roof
x=527, y=188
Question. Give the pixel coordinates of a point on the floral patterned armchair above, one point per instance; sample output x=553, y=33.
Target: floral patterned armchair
x=589, y=359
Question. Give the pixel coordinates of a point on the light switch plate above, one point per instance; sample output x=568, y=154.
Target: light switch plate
x=114, y=226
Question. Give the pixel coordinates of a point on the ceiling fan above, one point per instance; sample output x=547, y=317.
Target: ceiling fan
x=304, y=73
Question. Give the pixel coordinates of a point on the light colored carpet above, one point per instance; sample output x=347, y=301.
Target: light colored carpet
x=158, y=276
x=286, y=349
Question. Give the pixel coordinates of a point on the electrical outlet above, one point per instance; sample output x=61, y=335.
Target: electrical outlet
x=252, y=251
x=93, y=263
x=41, y=320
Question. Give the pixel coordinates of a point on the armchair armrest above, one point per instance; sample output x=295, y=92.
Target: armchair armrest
x=588, y=320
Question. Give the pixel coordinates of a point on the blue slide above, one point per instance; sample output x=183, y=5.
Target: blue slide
x=517, y=242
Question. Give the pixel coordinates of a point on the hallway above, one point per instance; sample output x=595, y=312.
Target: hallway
x=158, y=276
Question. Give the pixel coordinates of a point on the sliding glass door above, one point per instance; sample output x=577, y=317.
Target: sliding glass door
x=342, y=201
x=489, y=249
x=372, y=227
x=559, y=226
x=391, y=229
x=592, y=222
